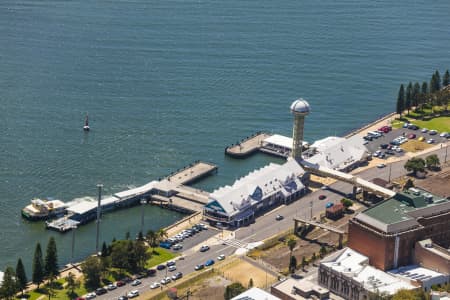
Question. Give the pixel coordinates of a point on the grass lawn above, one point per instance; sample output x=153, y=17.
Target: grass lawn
x=441, y=124
x=415, y=145
x=60, y=294
x=159, y=256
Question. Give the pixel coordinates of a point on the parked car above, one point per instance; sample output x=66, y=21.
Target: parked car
x=133, y=294
x=199, y=267
x=421, y=139
x=444, y=134
x=322, y=197
x=170, y=263
x=136, y=282
x=279, y=217
x=172, y=268
x=430, y=141
x=424, y=130
x=329, y=204
x=384, y=146
x=100, y=291
x=90, y=296
x=166, y=280
x=203, y=226
x=160, y=267
x=177, y=247
x=177, y=276
x=432, y=132
x=411, y=136
x=413, y=127
x=380, y=166
x=204, y=248
x=122, y=298
x=209, y=262
x=111, y=287
x=221, y=257
x=155, y=285
x=120, y=283
x=151, y=272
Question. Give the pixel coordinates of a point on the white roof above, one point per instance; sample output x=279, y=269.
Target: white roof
x=281, y=140
x=337, y=153
x=414, y=272
x=353, y=264
x=270, y=179
x=255, y=294
x=85, y=206
x=140, y=190
x=1, y=276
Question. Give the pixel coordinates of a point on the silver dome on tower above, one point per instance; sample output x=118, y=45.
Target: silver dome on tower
x=300, y=106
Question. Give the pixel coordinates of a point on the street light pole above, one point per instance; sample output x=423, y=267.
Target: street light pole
x=142, y=216
x=311, y=213
x=73, y=243
x=390, y=168
x=99, y=208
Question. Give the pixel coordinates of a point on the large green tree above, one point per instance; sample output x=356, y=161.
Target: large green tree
x=119, y=254
x=38, y=266
x=21, y=276
x=92, y=269
x=233, y=290
x=432, y=161
x=415, y=164
x=51, y=259
x=416, y=94
x=446, y=79
x=401, y=100
x=408, y=97
x=72, y=284
x=9, y=285
x=152, y=238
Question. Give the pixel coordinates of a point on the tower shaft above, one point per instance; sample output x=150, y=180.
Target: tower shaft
x=297, y=136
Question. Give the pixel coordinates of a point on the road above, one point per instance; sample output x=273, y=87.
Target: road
x=264, y=226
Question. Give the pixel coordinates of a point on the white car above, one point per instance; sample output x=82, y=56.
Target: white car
x=133, y=293
x=111, y=287
x=221, y=257
x=424, y=130
x=172, y=268
x=398, y=149
x=166, y=280
x=381, y=166
x=136, y=282
x=155, y=285
x=177, y=247
x=90, y=296
x=444, y=134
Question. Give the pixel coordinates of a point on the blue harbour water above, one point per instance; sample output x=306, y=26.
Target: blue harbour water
x=169, y=82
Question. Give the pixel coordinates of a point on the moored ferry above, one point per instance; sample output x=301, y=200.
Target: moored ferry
x=40, y=209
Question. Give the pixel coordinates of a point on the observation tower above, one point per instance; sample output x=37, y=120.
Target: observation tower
x=299, y=108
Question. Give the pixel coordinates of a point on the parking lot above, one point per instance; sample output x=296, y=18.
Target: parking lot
x=386, y=138
x=196, y=239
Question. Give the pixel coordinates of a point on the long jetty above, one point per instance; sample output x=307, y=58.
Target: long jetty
x=173, y=192
x=170, y=192
x=247, y=146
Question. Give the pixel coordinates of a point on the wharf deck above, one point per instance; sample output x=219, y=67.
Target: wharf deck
x=247, y=146
x=192, y=173
x=177, y=203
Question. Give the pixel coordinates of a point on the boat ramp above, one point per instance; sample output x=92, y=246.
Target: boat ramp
x=170, y=192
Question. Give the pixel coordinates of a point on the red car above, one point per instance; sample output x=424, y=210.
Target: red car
x=322, y=197
x=411, y=136
x=120, y=283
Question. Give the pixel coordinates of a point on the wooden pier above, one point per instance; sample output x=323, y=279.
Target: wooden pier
x=173, y=192
x=192, y=173
x=247, y=146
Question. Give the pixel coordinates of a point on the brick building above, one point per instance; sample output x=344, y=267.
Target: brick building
x=387, y=233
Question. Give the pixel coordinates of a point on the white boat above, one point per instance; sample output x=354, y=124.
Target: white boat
x=86, y=124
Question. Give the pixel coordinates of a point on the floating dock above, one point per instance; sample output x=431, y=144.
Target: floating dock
x=171, y=192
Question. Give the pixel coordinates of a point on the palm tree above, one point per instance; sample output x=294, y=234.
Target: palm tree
x=151, y=237
x=162, y=234
x=291, y=243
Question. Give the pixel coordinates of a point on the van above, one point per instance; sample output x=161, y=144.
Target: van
x=374, y=134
